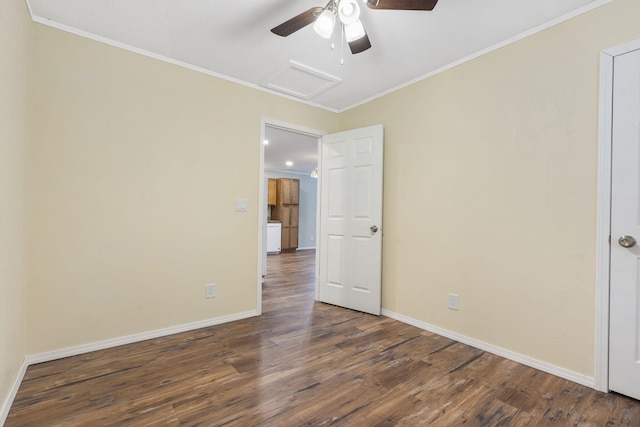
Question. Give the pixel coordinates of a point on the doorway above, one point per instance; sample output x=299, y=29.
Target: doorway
x=281, y=142
x=348, y=216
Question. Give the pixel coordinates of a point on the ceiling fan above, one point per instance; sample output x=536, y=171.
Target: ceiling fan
x=348, y=14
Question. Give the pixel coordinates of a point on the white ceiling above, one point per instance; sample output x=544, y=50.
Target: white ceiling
x=285, y=145
x=231, y=38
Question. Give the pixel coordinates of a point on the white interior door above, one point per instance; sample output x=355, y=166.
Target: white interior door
x=350, y=253
x=624, y=324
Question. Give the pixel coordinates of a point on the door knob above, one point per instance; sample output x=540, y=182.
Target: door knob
x=627, y=241
x=373, y=228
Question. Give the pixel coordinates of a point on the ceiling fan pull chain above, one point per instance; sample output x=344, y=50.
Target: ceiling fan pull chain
x=333, y=41
x=342, y=47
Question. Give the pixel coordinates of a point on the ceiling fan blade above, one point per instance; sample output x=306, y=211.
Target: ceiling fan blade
x=297, y=22
x=402, y=4
x=360, y=45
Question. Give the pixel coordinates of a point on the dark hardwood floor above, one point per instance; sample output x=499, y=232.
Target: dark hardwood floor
x=305, y=363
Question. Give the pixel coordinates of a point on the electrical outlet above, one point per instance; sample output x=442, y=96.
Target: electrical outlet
x=453, y=302
x=210, y=290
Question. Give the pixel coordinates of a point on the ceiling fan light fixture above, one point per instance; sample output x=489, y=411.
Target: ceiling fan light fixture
x=354, y=31
x=348, y=11
x=325, y=23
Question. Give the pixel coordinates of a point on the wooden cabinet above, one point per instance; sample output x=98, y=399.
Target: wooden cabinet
x=288, y=191
x=289, y=218
x=272, y=192
x=287, y=211
x=289, y=239
x=289, y=215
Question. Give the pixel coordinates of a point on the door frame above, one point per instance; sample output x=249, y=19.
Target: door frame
x=603, y=265
x=264, y=123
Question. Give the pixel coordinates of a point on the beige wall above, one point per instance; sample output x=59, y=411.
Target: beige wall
x=134, y=168
x=13, y=112
x=490, y=191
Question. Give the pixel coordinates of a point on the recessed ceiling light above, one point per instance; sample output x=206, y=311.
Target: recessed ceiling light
x=289, y=163
x=266, y=142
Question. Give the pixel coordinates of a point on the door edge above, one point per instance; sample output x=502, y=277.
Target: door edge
x=601, y=353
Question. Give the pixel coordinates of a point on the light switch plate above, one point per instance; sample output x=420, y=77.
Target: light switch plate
x=241, y=205
x=453, y=302
x=210, y=290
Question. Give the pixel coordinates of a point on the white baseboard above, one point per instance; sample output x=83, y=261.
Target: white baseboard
x=507, y=354
x=129, y=339
x=306, y=249
x=6, y=405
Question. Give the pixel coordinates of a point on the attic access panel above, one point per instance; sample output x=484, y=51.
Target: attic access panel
x=301, y=81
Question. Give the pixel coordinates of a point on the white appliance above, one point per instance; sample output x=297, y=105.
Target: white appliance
x=274, y=235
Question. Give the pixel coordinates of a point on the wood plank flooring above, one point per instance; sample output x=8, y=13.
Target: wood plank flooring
x=305, y=363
